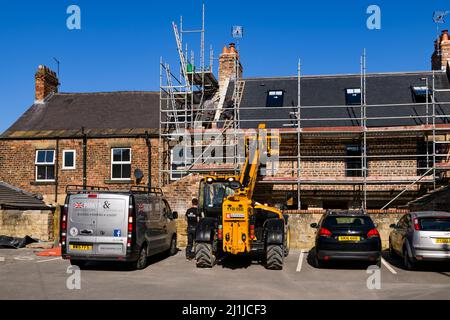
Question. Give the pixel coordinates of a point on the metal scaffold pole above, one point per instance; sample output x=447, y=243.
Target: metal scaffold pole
x=299, y=204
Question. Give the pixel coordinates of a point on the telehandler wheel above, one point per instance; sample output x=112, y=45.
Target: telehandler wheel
x=287, y=242
x=204, y=256
x=274, y=257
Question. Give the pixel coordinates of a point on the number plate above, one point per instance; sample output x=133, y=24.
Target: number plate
x=443, y=240
x=349, y=238
x=80, y=247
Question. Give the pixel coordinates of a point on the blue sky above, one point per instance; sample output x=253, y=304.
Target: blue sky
x=120, y=42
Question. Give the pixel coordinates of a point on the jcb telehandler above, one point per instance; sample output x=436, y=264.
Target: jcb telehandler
x=233, y=223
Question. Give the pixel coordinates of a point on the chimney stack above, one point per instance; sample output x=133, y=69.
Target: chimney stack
x=441, y=54
x=46, y=82
x=229, y=64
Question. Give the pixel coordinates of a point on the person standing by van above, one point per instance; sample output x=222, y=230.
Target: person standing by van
x=192, y=218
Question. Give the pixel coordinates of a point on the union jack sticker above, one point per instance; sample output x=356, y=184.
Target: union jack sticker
x=78, y=205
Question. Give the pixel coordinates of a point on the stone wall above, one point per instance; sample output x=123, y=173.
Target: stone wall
x=303, y=236
x=37, y=224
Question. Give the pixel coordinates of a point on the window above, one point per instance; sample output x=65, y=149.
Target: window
x=120, y=163
x=274, y=98
x=353, y=96
x=177, y=164
x=45, y=165
x=353, y=162
x=420, y=94
x=69, y=158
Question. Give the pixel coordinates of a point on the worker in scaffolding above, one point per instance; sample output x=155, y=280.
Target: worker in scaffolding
x=192, y=219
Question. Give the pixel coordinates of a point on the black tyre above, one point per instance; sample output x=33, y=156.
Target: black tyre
x=79, y=263
x=408, y=262
x=317, y=262
x=141, y=262
x=392, y=252
x=287, y=242
x=275, y=257
x=204, y=256
x=173, y=246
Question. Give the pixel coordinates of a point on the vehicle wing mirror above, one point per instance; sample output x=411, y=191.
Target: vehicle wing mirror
x=175, y=215
x=393, y=226
x=314, y=225
x=235, y=185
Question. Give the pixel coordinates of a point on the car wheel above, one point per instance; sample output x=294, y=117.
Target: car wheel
x=141, y=262
x=391, y=249
x=407, y=260
x=317, y=262
x=173, y=246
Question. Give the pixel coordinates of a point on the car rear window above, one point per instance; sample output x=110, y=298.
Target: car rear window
x=348, y=221
x=435, y=224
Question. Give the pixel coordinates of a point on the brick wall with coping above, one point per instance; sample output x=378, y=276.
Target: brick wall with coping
x=20, y=223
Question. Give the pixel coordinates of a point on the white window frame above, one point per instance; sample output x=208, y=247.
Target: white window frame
x=119, y=162
x=74, y=160
x=36, y=164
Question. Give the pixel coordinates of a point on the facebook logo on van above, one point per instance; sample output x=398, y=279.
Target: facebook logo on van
x=117, y=232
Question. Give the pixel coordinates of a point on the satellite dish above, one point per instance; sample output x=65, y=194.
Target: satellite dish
x=138, y=174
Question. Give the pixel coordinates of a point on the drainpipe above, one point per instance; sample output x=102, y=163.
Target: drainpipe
x=56, y=169
x=84, y=158
x=149, y=158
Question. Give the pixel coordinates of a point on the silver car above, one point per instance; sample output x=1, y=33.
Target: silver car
x=421, y=236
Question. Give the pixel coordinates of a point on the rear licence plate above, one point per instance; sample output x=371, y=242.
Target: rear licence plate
x=80, y=247
x=349, y=238
x=443, y=240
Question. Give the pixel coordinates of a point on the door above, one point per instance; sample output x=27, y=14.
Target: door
x=155, y=228
x=399, y=233
x=81, y=225
x=111, y=231
x=166, y=222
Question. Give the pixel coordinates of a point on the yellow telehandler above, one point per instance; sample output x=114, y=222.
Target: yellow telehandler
x=233, y=223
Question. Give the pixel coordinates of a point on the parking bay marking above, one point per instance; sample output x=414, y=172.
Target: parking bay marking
x=2, y=259
x=388, y=266
x=300, y=261
x=47, y=260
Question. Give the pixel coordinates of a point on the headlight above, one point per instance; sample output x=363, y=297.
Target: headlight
x=209, y=180
x=230, y=179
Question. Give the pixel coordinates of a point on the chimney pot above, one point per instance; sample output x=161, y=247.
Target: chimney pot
x=444, y=35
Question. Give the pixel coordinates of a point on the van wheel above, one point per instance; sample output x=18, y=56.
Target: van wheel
x=141, y=262
x=79, y=263
x=204, y=256
x=274, y=257
x=173, y=245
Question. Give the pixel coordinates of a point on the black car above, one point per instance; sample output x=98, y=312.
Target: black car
x=346, y=235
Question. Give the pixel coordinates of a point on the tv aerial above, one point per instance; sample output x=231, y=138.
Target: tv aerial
x=439, y=16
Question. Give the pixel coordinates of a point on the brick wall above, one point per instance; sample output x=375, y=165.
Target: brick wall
x=17, y=163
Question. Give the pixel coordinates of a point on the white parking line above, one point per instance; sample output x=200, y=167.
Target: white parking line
x=300, y=261
x=47, y=260
x=2, y=259
x=388, y=266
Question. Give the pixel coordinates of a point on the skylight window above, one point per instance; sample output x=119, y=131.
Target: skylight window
x=274, y=98
x=420, y=94
x=353, y=96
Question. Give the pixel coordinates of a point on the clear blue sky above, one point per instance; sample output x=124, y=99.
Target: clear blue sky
x=120, y=42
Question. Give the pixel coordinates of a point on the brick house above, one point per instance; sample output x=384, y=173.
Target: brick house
x=346, y=140
x=97, y=138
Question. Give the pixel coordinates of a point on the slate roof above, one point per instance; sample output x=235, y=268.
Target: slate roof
x=14, y=198
x=382, y=88
x=100, y=113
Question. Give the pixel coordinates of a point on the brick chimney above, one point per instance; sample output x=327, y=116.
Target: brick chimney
x=46, y=83
x=441, y=54
x=227, y=64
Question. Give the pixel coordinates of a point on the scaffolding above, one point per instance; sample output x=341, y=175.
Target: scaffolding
x=193, y=103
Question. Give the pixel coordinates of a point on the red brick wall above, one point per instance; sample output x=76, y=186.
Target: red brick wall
x=17, y=166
